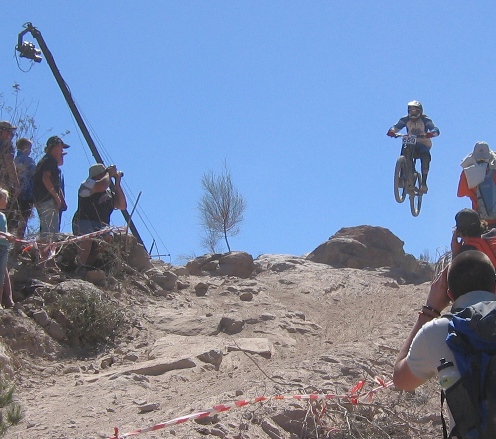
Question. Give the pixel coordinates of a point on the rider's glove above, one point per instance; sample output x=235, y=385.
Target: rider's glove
x=391, y=133
x=429, y=135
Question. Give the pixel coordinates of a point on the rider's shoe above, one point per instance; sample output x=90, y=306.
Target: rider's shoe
x=423, y=189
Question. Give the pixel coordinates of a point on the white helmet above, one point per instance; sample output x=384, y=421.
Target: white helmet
x=415, y=110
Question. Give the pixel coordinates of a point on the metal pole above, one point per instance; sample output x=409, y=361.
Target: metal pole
x=67, y=95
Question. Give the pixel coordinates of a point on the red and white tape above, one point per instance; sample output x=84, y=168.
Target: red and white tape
x=354, y=397
x=52, y=246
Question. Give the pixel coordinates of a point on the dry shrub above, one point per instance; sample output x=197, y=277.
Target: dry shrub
x=94, y=317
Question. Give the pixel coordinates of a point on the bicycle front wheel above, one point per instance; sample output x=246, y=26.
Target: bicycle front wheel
x=400, y=180
x=416, y=196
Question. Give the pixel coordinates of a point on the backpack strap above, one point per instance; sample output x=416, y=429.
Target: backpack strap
x=443, y=421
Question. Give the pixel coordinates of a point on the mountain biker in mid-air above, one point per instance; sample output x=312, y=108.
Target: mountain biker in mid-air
x=420, y=125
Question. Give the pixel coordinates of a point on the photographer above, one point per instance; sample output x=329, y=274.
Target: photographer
x=96, y=202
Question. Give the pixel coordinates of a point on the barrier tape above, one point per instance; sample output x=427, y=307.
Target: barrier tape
x=52, y=246
x=354, y=397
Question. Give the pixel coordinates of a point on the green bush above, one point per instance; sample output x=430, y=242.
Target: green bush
x=10, y=411
x=93, y=317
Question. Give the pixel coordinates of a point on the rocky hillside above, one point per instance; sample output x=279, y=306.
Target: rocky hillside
x=221, y=331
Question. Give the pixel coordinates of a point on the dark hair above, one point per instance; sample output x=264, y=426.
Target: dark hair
x=474, y=230
x=22, y=143
x=470, y=271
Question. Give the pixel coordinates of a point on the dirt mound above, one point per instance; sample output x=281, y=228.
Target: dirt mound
x=293, y=328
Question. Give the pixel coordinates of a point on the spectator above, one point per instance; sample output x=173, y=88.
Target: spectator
x=5, y=286
x=469, y=280
x=96, y=202
x=48, y=190
x=25, y=167
x=478, y=181
x=8, y=174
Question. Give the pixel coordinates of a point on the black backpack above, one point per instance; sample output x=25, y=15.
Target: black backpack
x=472, y=399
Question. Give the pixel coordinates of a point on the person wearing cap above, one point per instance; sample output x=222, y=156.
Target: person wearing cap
x=96, y=202
x=48, y=190
x=471, y=233
x=478, y=181
x=8, y=174
x=420, y=125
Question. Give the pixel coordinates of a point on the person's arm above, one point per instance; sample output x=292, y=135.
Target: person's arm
x=11, y=170
x=465, y=191
x=396, y=128
x=102, y=184
x=46, y=178
x=403, y=377
x=437, y=300
x=431, y=129
x=120, y=202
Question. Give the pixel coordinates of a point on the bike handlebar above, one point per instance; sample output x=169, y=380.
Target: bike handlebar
x=396, y=135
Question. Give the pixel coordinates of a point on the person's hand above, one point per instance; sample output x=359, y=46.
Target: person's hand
x=455, y=243
x=391, y=133
x=438, y=294
x=58, y=201
x=429, y=135
x=112, y=170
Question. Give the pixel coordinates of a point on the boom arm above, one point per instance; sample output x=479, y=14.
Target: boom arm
x=27, y=50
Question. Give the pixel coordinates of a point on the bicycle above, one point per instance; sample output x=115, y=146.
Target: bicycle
x=407, y=180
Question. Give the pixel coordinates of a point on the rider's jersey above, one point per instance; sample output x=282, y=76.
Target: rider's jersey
x=483, y=196
x=419, y=127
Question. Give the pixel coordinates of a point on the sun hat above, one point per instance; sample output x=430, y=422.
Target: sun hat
x=4, y=125
x=96, y=169
x=481, y=152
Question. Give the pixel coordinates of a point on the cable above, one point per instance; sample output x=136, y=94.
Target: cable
x=126, y=189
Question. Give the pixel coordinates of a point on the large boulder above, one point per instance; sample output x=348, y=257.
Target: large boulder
x=372, y=247
x=238, y=264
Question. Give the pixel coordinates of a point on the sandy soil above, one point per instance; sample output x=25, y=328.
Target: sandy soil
x=295, y=328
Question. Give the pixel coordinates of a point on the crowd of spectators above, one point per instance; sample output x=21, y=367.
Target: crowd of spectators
x=25, y=184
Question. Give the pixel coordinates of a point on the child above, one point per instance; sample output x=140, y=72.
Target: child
x=5, y=287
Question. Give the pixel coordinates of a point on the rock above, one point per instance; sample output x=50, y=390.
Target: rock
x=368, y=246
x=41, y=317
x=238, y=264
x=213, y=356
x=271, y=430
x=246, y=297
x=6, y=370
x=145, y=408
x=96, y=277
x=165, y=279
x=259, y=346
x=56, y=331
x=201, y=289
x=230, y=326
x=195, y=266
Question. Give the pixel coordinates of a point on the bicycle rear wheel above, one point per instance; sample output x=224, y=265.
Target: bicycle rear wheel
x=416, y=196
x=400, y=181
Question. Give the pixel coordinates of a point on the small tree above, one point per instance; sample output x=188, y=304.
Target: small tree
x=221, y=208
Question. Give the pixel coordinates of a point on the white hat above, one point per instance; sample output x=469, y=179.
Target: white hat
x=481, y=152
x=96, y=169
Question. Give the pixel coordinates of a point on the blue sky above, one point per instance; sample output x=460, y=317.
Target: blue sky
x=295, y=96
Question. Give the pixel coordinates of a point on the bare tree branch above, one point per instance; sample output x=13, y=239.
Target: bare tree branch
x=221, y=208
